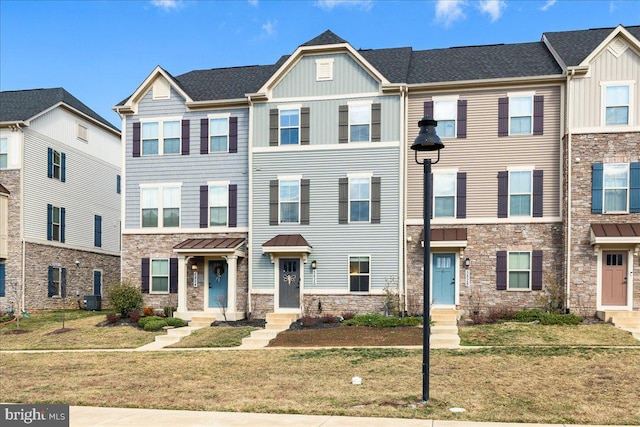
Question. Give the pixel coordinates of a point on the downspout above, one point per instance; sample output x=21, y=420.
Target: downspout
x=22, y=241
x=404, y=114
x=123, y=186
x=568, y=125
x=250, y=215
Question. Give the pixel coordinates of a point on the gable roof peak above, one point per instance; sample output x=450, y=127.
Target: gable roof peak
x=328, y=37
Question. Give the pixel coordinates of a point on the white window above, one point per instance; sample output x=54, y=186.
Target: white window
x=159, y=276
x=359, y=273
x=289, y=127
x=289, y=199
x=160, y=202
x=57, y=164
x=359, y=122
x=324, y=69
x=617, y=105
x=56, y=282
x=445, y=113
x=83, y=132
x=55, y=223
x=616, y=187
x=161, y=137
x=218, y=205
x=519, y=266
x=4, y=153
x=218, y=134
x=520, y=193
x=444, y=195
x=359, y=199
x=520, y=115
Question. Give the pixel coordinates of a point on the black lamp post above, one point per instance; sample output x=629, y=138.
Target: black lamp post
x=427, y=140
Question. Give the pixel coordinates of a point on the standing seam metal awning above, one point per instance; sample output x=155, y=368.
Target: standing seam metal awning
x=223, y=245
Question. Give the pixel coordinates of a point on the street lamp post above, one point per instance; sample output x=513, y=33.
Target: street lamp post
x=427, y=140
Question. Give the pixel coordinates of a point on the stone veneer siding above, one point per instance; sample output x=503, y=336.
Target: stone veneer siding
x=138, y=246
x=588, y=149
x=483, y=240
x=10, y=179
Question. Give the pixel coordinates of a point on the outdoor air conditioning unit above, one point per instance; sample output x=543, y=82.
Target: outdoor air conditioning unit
x=93, y=302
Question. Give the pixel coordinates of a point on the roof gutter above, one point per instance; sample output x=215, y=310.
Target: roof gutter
x=450, y=85
x=14, y=125
x=222, y=103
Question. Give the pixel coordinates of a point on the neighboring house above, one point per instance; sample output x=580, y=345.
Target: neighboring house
x=59, y=199
x=601, y=159
x=496, y=222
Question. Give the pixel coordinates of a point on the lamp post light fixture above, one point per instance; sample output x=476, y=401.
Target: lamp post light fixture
x=427, y=140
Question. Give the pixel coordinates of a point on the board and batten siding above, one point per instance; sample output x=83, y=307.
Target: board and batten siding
x=323, y=119
x=482, y=153
x=587, y=101
x=332, y=242
x=191, y=170
x=89, y=190
x=349, y=77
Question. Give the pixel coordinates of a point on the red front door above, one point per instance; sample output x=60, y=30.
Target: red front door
x=614, y=278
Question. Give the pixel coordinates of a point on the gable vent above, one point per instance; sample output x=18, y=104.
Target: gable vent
x=324, y=69
x=618, y=47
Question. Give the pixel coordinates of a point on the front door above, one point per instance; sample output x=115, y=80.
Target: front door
x=289, y=283
x=614, y=278
x=444, y=279
x=97, y=282
x=218, y=281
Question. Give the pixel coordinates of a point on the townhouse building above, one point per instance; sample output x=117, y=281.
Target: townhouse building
x=59, y=200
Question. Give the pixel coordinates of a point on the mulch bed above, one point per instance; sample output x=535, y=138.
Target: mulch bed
x=16, y=332
x=60, y=331
x=344, y=336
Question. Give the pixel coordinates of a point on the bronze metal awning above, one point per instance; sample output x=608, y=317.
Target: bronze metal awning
x=625, y=233
x=447, y=237
x=222, y=245
x=287, y=243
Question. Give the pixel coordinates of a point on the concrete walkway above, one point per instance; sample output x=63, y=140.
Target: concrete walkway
x=86, y=416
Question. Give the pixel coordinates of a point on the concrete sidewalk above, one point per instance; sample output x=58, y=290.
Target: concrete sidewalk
x=87, y=416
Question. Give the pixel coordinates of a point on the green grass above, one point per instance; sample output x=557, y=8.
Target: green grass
x=220, y=336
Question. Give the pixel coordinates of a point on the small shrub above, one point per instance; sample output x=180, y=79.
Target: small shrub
x=327, y=318
x=168, y=311
x=525, y=316
x=309, y=321
x=560, y=319
x=348, y=315
x=379, y=321
x=134, y=316
x=6, y=318
x=112, y=318
x=148, y=311
x=500, y=313
x=124, y=298
x=144, y=320
x=155, y=325
x=175, y=321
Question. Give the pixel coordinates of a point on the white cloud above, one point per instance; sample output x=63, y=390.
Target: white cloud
x=253, y=2
x=449, y=11
x=548, y=5
x=493, y=8
x=167, y=5
x=268, y=29
x=330, y=4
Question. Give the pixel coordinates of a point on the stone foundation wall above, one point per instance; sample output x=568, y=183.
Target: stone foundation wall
x=338, y=305
x=138, y=246
x=483, y=240
x=10, y=179
x=261, y=304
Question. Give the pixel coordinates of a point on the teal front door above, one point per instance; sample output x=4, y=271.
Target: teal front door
x=218, y=281
x=444, y=279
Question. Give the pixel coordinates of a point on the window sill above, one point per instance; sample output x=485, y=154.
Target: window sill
x=518, y=290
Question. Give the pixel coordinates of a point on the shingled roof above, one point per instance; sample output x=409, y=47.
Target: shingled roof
x=328, y=37
x=574, y=46
x=22, y=105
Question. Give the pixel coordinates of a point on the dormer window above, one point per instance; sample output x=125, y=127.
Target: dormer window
x=324, y=69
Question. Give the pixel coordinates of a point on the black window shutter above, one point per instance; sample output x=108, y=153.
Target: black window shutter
x=428, y=109
x=49, y=162
x=596, y=188
x=145, y=275
x=63, y=282
x=136, y=139
x=503, y=117
x=634, y=187
x=538, y=115
x=233, y=134
x=462, y=119
x=118, y=184
x=204, y=206
x=536, y=270
x=233, y=205
x=97, y=231
x=343, y=200
x=204, y=136
x=343, y=124
x=63, y=167
x=186, y=137
x=173, y=275
x=63, y=224
x=273, y=127
x=376, y=122
x=50, y=290
x=461, y=195
x=273, y=202
x=503, y=194
x=49, y=222
x=501, y=270
x=305, y=113
x=538, y=192
x=304, y=201
x=375, y=199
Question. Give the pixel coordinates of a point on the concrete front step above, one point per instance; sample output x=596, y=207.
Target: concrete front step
x=173, y=336
x=444, y=341
x=626, y=320
x=202, y=320
x=444, y=317
x=444, y=329
x=276, y=323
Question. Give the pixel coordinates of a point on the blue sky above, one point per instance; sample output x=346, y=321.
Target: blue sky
x=100, y=51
